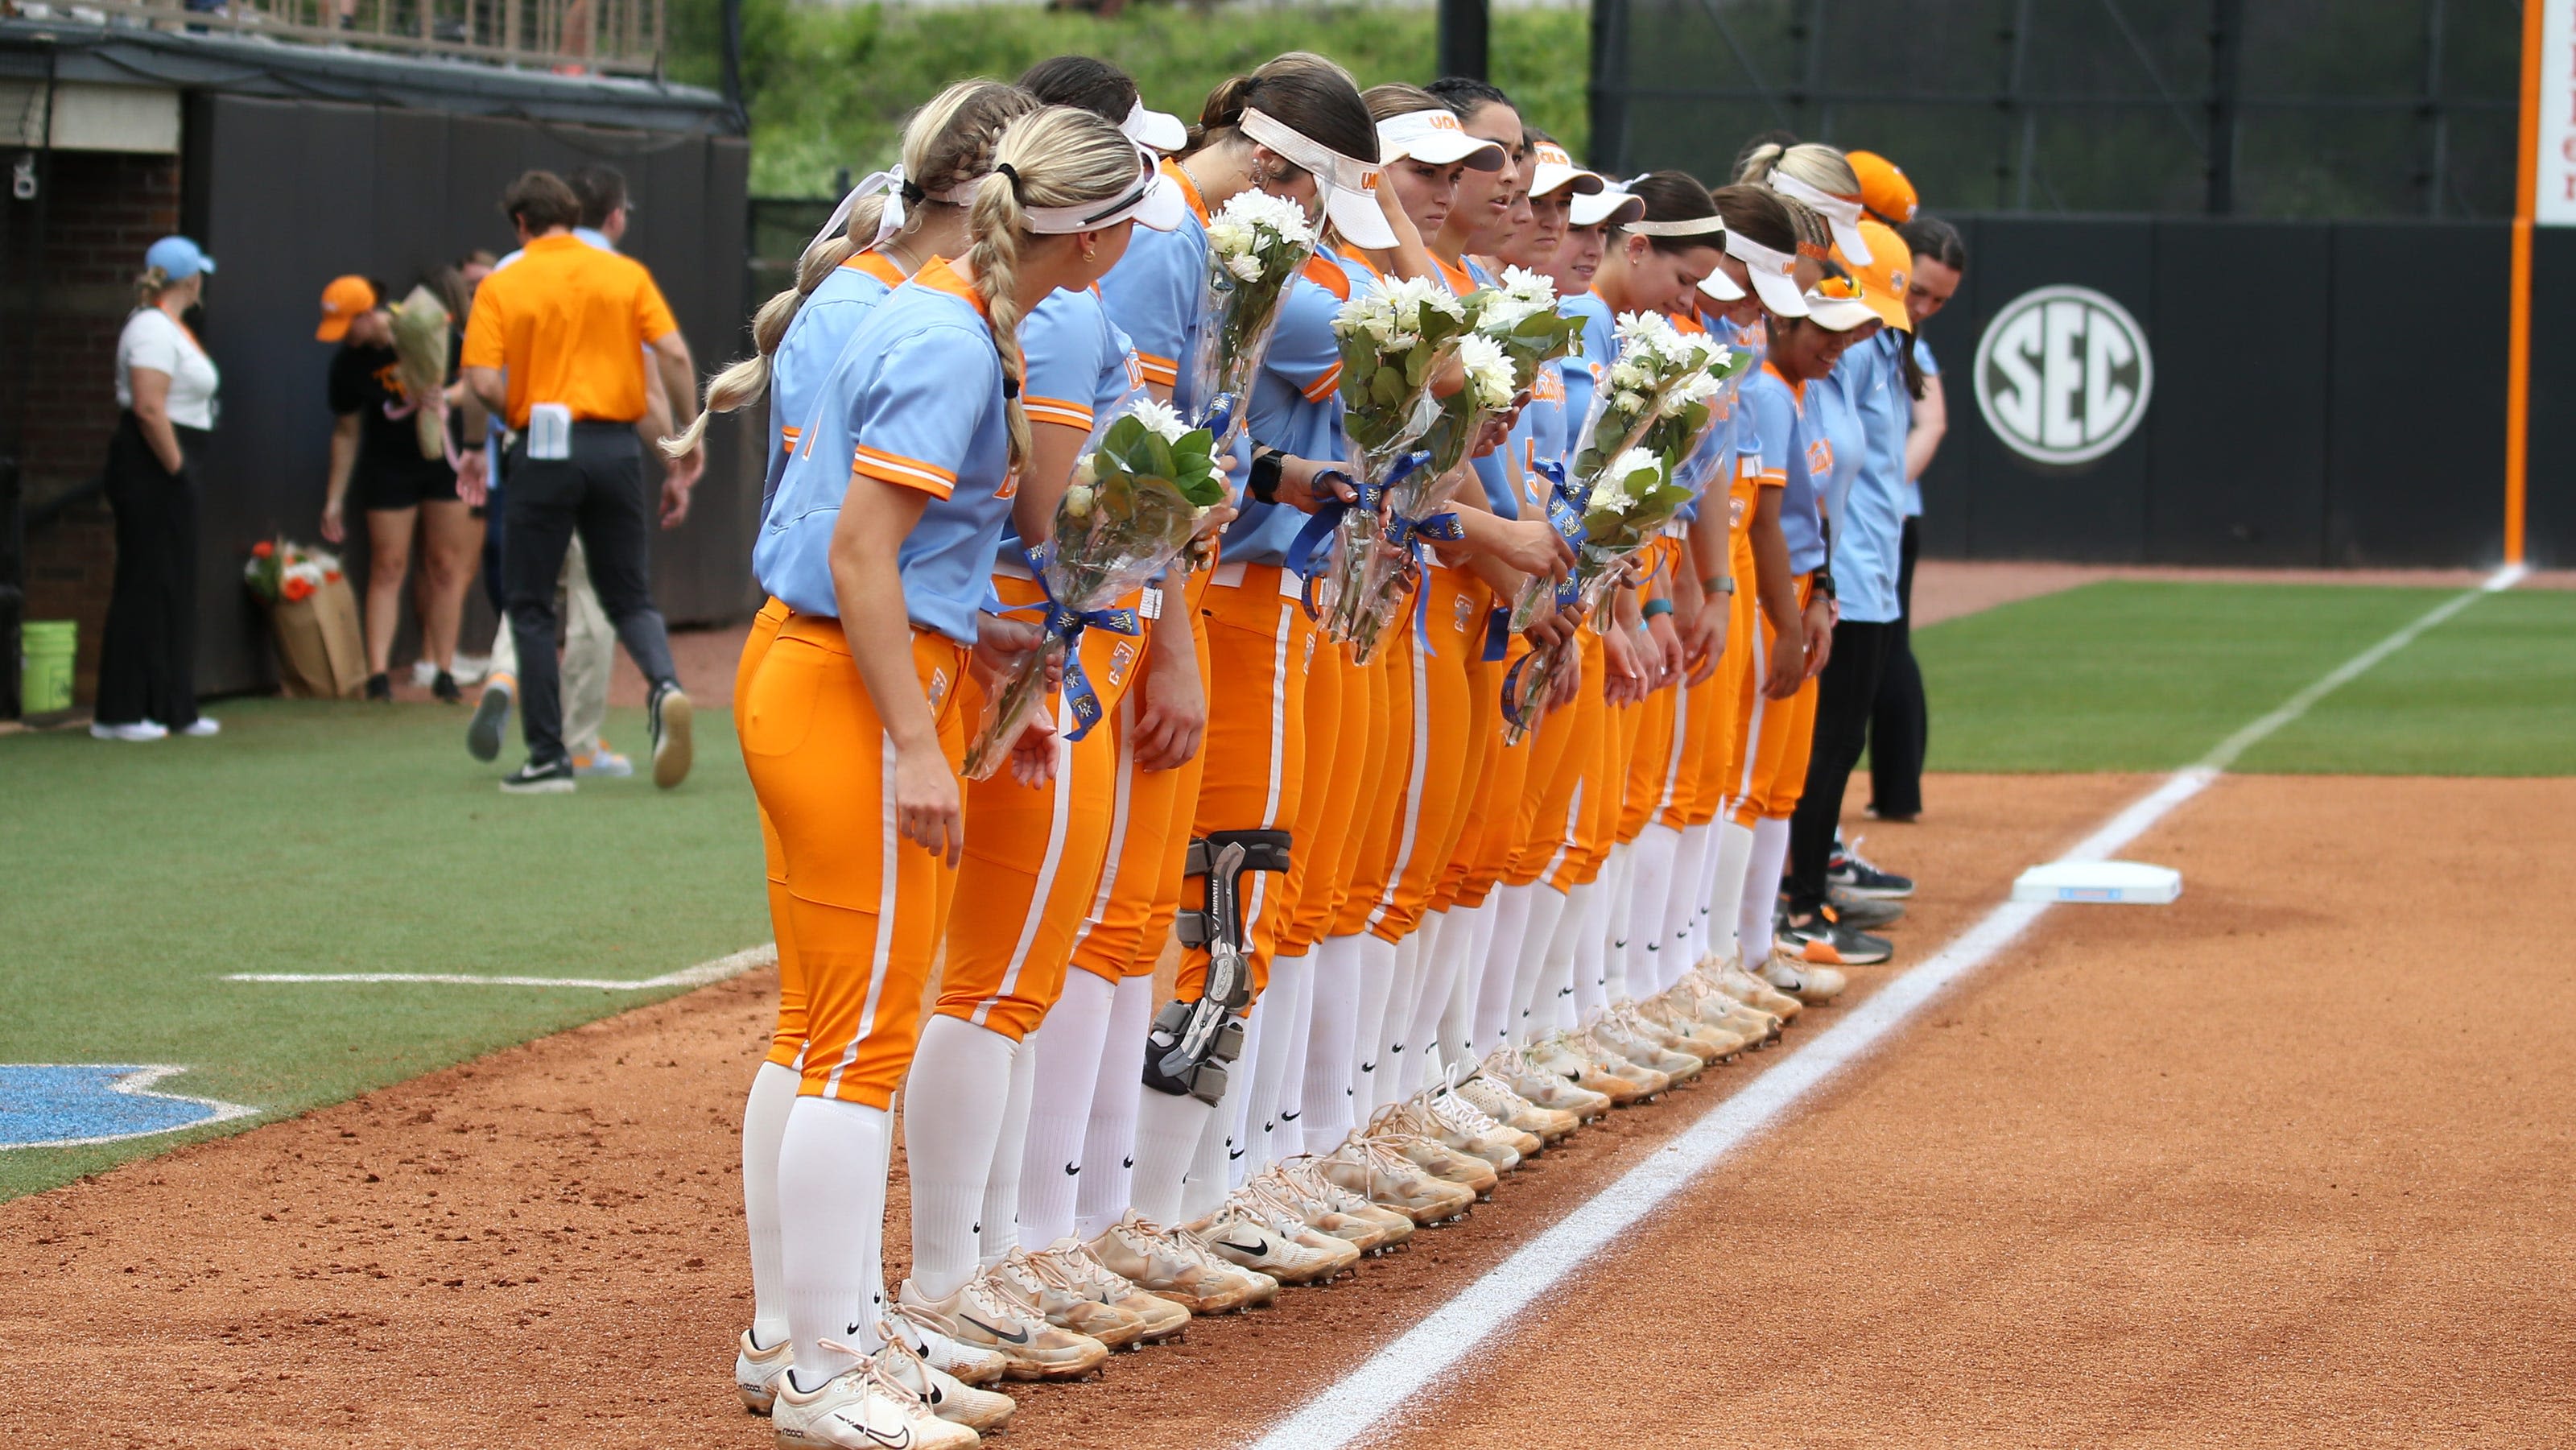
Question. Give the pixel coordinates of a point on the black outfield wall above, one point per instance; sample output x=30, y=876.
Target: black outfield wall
x=288, y=194
x=2326, y=394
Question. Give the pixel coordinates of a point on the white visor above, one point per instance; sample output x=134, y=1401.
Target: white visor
x=1720, y=286
x=1610, y=204
x=1839, y=314
x=1435, y=138
x=1349, y=187
x=1839, y=213
x=1152, y=202
x=1774, y=275
x=1159, y=129
x=1552, y=168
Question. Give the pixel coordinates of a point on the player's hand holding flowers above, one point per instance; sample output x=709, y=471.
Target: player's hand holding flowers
x=1257, y=244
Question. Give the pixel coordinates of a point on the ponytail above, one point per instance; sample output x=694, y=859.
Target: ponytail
x=994, y=219
x=148, y=286
x=947, y=142
x=1300, y=90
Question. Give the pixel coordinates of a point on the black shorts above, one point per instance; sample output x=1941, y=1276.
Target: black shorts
x=401, y=488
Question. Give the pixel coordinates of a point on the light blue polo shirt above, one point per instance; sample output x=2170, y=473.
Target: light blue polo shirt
x=1789, y=438
x=914, y=401
x=1869, y=522
x=1297, y=402
x=1913, y=487
x=1080, y=368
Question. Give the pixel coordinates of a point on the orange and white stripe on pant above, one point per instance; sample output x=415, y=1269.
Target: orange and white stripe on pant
x=1122, y=932
x=1431, y=657
x=1556, y=835
x=1033, y=857
x=1257, y=636
x=1771, y=761
x=866, y=906
x=1496, y=822
x=1337, y=904
x=1335, y=758
x=787, y=1037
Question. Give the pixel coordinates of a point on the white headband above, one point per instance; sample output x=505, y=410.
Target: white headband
x=1834, y=207
x=1092, y=216
x=1308, y=153
x=1698, y=226
x=890, y=220
x=1757, y=257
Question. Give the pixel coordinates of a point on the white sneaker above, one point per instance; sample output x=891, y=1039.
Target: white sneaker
x=971, y=1363
x=984, y=1313
x=756, y=1371
x=202, y=727
x=948, y=1397
x=860, y=1409
x=1809, y=983
x=468, y=668
x=140, y=730
x=424, y=673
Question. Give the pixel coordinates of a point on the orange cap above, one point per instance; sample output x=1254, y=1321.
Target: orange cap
x=342, y=302
x=1889, y=273
x=1883, y=187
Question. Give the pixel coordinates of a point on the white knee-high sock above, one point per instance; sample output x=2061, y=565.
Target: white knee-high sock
x=1591, y=943
x=1658, y=852
x=832, y=1160
x=953, y=1105
x=1496, y=1009
x=1331, y=1046
x=1287, y=1124
x=1065, y=1055
x=1533, y=997
x=1702, y=839
x=1243, y=1079
x=1726, y=903
x=1403, y=986
x=1108, y=1160
x=1613, y=914
x=1167, y=1139
x=764, y=1122
x=997, y=1225
x=1457, y=1030
x=1430, y=1000
x=1556, y=977
x=1682, y=898
x=1377, y=983
x=1761, y=892
x=1281, y=1016
x=1205, y=1186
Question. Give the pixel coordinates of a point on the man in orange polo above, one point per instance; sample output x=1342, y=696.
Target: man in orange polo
x=557, y=344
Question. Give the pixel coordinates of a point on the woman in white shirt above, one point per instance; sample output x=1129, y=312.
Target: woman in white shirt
x=165, y=391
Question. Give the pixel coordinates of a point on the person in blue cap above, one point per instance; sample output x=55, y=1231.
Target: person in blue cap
x=165, y=397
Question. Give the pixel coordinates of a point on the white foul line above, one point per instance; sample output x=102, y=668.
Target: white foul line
x=1433, y=1346
x=704, y=973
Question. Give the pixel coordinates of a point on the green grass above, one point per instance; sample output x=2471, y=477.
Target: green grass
x=323, y=837
x=828, y=86
x=2129, y=675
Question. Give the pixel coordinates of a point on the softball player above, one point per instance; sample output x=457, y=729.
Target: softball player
x=845, y=720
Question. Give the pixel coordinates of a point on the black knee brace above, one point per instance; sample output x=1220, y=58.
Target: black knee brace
x=1191, y=1042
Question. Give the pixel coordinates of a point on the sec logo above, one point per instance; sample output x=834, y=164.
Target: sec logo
x=2063, y=375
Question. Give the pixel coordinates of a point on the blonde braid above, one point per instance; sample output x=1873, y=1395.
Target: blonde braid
x=995, y=260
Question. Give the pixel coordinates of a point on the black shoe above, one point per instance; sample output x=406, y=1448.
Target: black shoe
x=1865, y=913
x=444, y=687
x=552, y=778
x=380, y=687
x=1847, y=872
x=491, y=715
x=1817, y=937
x=671, y=712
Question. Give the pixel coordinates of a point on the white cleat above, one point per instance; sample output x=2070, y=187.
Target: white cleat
x=971, y=1363
x=756, y=1371
x=1809, y=983
x=862, y=1408
x=948, y=1397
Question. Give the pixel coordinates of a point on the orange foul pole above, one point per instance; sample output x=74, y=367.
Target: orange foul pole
x=2517, y=372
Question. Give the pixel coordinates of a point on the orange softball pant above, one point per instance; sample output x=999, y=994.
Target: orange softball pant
x=866, y=906
x=787, y=1038
x=1340, y=904
x=1256, y=743
x=1336, y=752
x=1771, y=760
x=1557, y=837
x=1431, y=658
x=1121, y=934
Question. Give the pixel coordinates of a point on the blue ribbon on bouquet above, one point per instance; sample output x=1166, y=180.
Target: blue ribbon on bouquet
x=1565, y=515
x=1068, y=625
x=1407, y=534
x=1306, y=552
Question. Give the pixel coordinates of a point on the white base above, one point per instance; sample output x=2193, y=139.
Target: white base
x=2128, y=882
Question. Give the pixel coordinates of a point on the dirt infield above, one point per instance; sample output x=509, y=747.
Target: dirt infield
x=2226, y=1170
x=443, y=1261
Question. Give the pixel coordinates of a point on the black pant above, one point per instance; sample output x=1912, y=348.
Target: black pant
x=599, y=492
x=1844, y=694
x=147, y=662
x=1901, y=723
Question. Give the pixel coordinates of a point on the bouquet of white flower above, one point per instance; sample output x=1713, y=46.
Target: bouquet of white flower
x=1520, y=316
x=1631, y=500
x=1393, y=341
x=1257, y=244
x=1140, y=493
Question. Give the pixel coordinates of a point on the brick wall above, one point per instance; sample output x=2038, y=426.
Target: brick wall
x=103, y=210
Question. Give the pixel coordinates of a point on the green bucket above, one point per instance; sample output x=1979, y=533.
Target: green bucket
x=46, y=647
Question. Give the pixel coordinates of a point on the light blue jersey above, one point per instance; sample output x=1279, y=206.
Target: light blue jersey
x=914, y=401
x=1080, y=367
x=1297, y=401
x=1153, y=293
x=1795, y=455
x=1913, y=487
x=1869, y=526
x=821, y=328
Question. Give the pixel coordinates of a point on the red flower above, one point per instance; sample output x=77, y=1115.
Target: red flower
x=262, y=549
x=330, y=576
x=296, y=587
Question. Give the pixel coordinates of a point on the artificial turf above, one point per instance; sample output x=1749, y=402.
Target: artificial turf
x=2147, y=676
x=337, y=837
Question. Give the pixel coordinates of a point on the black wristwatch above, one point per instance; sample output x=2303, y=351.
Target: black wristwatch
x=1825, y=584
x=1262, y=483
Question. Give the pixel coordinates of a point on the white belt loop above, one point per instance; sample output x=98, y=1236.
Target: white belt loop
x=1228, y=575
